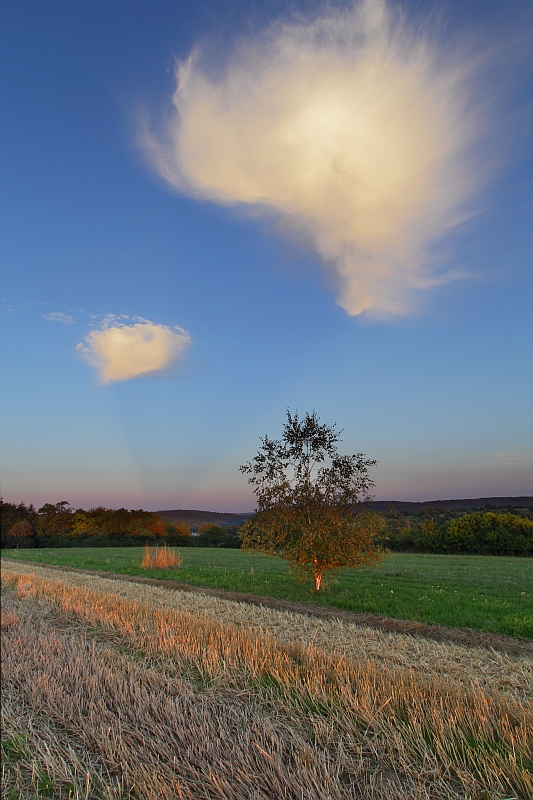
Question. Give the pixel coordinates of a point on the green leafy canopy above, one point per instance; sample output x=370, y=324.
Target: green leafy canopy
x=311, y=500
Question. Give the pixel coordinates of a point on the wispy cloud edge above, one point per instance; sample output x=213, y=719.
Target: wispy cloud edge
x=353, y=128
x=59, y=316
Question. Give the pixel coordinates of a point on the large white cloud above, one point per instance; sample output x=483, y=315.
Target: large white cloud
x=351, y=128
x=120, y=351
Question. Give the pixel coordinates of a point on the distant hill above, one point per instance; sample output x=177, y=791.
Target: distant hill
x=478, y=503
x=193, y=519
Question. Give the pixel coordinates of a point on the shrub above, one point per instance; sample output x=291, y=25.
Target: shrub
x=161, y=558
x=487, y=533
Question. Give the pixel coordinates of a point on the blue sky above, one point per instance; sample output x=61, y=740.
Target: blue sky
x=174, y=277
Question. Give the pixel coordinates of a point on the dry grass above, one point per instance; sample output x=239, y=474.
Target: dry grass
x=161, y=558
x=475, y=667
x=159, y=703
x=7, y=619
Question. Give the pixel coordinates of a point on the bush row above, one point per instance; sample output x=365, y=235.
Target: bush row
x=476, y=533
x=60, y=525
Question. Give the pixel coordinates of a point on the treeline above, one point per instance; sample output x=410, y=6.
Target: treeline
x=493, y=532
x=506, y=532
x=60, y=525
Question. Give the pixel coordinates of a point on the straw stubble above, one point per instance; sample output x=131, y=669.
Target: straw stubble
x=159, y=702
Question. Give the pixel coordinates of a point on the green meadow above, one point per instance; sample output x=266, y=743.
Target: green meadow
x=491, y=593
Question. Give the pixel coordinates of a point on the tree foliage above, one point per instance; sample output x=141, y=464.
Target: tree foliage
x=483, y=533
x=20, y=531
x=311, y=501
x=211, y=535
x=10, y=514
x=434, y=530
x=59, y=525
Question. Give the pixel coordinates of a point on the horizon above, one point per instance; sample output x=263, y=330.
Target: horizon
x=215, y=213
x=243, y=513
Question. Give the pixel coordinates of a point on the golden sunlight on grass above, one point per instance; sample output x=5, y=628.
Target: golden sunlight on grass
x=469, y=666
x=161, y=558
x=145, y=701
x=7, y=619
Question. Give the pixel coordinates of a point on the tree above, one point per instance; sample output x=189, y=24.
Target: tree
x=54, y=524
x=19, y=531
x=11, y=513
x=488, y=533
x=178, y=534
x=211, y=535
x=311, y=501
x=84, y=527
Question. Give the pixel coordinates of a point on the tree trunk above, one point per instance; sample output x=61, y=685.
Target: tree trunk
x=318, y=575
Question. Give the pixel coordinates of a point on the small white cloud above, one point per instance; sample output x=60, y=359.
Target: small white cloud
x=59, y=316
x=121, y=352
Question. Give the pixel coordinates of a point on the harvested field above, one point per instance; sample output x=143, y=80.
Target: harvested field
x=483, y=600
x=114, y=689
x=477, y=666
x=440, y=633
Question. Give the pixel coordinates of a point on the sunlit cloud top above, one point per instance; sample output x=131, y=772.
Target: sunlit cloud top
x=121, y=352
x=353, y=129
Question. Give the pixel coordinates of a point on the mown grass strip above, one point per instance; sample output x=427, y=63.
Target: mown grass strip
x=490, y=661
x=378, y=723
x=487, y=593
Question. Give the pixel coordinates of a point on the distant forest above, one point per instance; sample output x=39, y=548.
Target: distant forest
x=488, y=528
x=59, y=525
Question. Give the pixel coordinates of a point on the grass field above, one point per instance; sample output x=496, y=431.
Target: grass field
x=481, y=592
x=107, y=697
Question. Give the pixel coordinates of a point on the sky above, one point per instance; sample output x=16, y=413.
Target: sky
x=215, y=212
